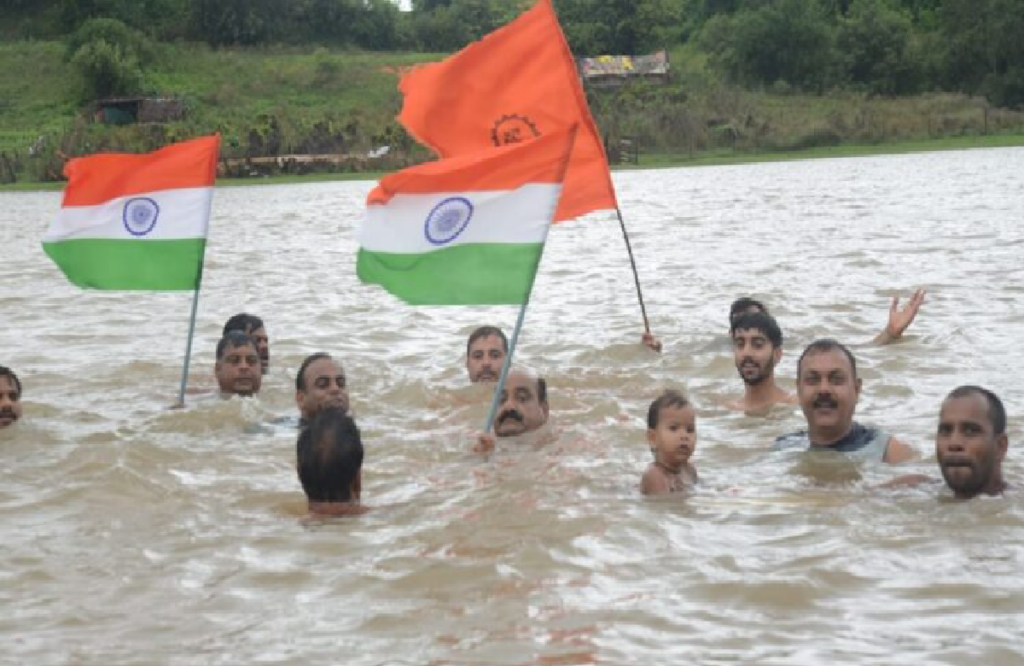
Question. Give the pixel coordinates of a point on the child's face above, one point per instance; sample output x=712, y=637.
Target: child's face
x=675, y=437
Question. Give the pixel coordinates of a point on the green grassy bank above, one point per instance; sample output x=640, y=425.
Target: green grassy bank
x=268, y=102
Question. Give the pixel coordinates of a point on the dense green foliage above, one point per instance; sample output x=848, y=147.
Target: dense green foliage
x=318, y=76
x=885, y=47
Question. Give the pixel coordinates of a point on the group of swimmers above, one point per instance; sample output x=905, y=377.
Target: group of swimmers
x=970, y=443
x=971, y=440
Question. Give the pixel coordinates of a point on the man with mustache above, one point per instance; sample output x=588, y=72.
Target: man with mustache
x=828, y=389
x=238, y=365
x=522, y=408
x=252, y=326
x=757, y=349
x=319, y=384
x=10, y=397
x=485, y=354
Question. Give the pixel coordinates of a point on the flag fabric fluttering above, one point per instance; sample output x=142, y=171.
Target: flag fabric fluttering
x=136, y=221
x=467, y=230
x=515, y=84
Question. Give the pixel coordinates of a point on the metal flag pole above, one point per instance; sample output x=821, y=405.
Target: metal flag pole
x=529, y=292
x=632, y=263
x=508, y=357
x=191, y=334
x=195, y=305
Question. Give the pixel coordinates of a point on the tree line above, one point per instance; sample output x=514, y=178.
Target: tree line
x=882, y=47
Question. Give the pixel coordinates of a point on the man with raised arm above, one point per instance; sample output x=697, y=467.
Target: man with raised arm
x=899, y=319
x=828, y=389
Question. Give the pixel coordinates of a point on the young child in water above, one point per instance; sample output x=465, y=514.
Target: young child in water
x=672, y=436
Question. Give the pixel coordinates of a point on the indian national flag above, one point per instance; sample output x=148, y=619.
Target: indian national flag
x=466, y=230
x=136, y=222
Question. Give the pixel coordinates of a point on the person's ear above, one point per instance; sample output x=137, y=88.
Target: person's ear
x=357, y=486
x=1002, y=443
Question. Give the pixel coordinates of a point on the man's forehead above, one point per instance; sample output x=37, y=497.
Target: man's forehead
x=972, y=407
x=491, y=340
x=324, y=367
x=832, y=359
x=748, y=332
x=7, y=383
x=241, y=350
x=516, y=380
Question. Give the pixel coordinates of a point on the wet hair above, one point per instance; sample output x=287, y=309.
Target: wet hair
x=826, y=345
x=996, y=411
x=300, y=379
x=7, y=372
x=330, y=455
x=244, y=322
x=542, y=390
x=741, y=305
x=233, y=340
x=486, y=331
x=758, y=321
x=668, y=398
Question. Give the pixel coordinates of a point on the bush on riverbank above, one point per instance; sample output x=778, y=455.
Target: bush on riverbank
x=270, y=102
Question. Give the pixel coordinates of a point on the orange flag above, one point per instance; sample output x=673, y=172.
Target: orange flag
x=513, y=85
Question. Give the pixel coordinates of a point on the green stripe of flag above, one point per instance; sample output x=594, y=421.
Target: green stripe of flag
x=469, y=274
x=144, y=265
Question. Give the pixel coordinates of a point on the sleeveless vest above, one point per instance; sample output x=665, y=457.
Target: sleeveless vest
x=861, y=442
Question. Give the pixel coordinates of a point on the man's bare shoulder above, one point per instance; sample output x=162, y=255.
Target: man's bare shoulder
x=760, y=409
x=898, y=452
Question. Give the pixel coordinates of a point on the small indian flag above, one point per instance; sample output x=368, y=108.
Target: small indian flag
x=467, y=230
x=136, y=222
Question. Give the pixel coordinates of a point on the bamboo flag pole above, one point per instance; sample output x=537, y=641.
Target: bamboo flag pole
x=632, y=263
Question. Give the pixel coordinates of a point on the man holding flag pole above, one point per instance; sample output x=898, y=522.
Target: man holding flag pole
x=468, y=230
x=514, y=85
x=138, y=222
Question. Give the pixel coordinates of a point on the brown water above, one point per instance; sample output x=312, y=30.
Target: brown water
x=136, y=535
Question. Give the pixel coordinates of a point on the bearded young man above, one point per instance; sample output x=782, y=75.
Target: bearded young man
x=757, y=350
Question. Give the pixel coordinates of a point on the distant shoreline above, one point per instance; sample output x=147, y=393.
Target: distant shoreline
x=653, y=160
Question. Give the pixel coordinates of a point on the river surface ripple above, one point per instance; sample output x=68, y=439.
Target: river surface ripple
x=136, y=535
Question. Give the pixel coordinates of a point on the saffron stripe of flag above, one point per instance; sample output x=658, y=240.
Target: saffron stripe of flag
x=136, y=222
